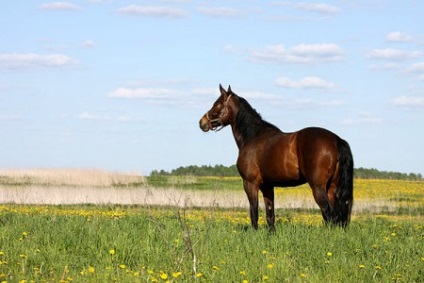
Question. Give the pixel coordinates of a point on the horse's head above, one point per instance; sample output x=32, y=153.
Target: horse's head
x=220, y=114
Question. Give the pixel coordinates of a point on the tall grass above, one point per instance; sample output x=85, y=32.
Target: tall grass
x=133, y=244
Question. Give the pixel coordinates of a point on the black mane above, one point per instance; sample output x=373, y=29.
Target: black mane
x=249, y=122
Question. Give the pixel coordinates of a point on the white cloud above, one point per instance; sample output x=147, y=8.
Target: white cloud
x=144, y=93
x=408, y=101
x=88, y=44
x=104, y=118
x=59, y=6
x=318, y=7
x=222, y=12
x=300, y=54
x=311, y=7
x=30, y=60
x=153, y=11
x=416, y=68
x=307, y=82
x=398, y=36
x=392, y=54
x=363, y=118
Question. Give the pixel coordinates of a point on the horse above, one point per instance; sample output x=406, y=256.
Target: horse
x=271, y=158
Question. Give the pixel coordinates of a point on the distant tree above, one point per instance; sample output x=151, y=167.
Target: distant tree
x=224, y=171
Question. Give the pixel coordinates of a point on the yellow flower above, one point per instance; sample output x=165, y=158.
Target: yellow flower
x=199, y=274
x=329, y=254
x=177, y=274
x=303, y=275
x=91, y=269
x=112, y=251
x=215, y=267
x=265, y=278
x=122, y=266
x=377, y=267
x=243, y=272
x=264, y=252
x=361, y=266
x=245, y=281
x=164, y=276
x=270, y=266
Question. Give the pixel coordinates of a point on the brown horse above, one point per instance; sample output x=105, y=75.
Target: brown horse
x=270, y=158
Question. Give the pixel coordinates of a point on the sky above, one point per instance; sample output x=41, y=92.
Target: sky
x=122, y=85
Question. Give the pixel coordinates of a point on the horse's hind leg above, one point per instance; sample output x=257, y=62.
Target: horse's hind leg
x=321, y=198
x=268, y=194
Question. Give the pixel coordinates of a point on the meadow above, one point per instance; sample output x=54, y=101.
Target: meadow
x=187, y=242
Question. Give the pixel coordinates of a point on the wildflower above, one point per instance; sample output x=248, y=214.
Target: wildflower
x=215, y=267
x=264, y=252
x=377, y=267
x=245, y=281
x=199, y=274
x=23, y=256
x=24, y=234
x=112, y=251
x=91, y=269
x=1, y=253
x=153, y=279
x=243, y=272
x=164, y=276
x=177, y=274
x=122, y=266
x=265, y=278
x=150, y=272
x=303, y=275
x=329, y=254
x=270, y=266
x=361, y=266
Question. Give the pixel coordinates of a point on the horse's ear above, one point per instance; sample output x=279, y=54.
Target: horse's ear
x=229, y=89
x=222, y=90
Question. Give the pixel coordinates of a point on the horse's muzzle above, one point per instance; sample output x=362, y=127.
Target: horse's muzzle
x=204, y=124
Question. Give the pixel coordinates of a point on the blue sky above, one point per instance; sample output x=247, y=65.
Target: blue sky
x=121, y=85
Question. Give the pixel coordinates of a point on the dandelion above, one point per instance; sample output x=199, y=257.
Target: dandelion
x=329, y=254
x=215, y=267
x=270, y=266
x=23, y=256
x=243, y=272
x=199, y=274
x=245, y=281
x=265, y=278
x=91, y=269
x=122, y=266
x=377, y=267
x=150, y=272
x=177, y=274
x=303, y=275
x=264, y=252
x=164, y=276
x=361, y=266
x=112, y=251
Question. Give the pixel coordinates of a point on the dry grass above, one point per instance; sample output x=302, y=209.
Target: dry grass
x=68, y=177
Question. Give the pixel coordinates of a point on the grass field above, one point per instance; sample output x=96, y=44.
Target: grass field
x=191, y=243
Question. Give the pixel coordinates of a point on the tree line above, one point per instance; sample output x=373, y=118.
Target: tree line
x=228, y=171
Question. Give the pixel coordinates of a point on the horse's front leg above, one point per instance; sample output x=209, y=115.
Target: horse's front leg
x=251, y=190
x=268, y=194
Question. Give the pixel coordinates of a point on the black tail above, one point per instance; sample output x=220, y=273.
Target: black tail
x=344, y=193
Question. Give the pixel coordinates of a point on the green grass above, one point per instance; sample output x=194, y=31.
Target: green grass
x=136, y=244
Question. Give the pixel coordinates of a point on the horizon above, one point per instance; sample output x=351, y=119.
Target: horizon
x=121, y=85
